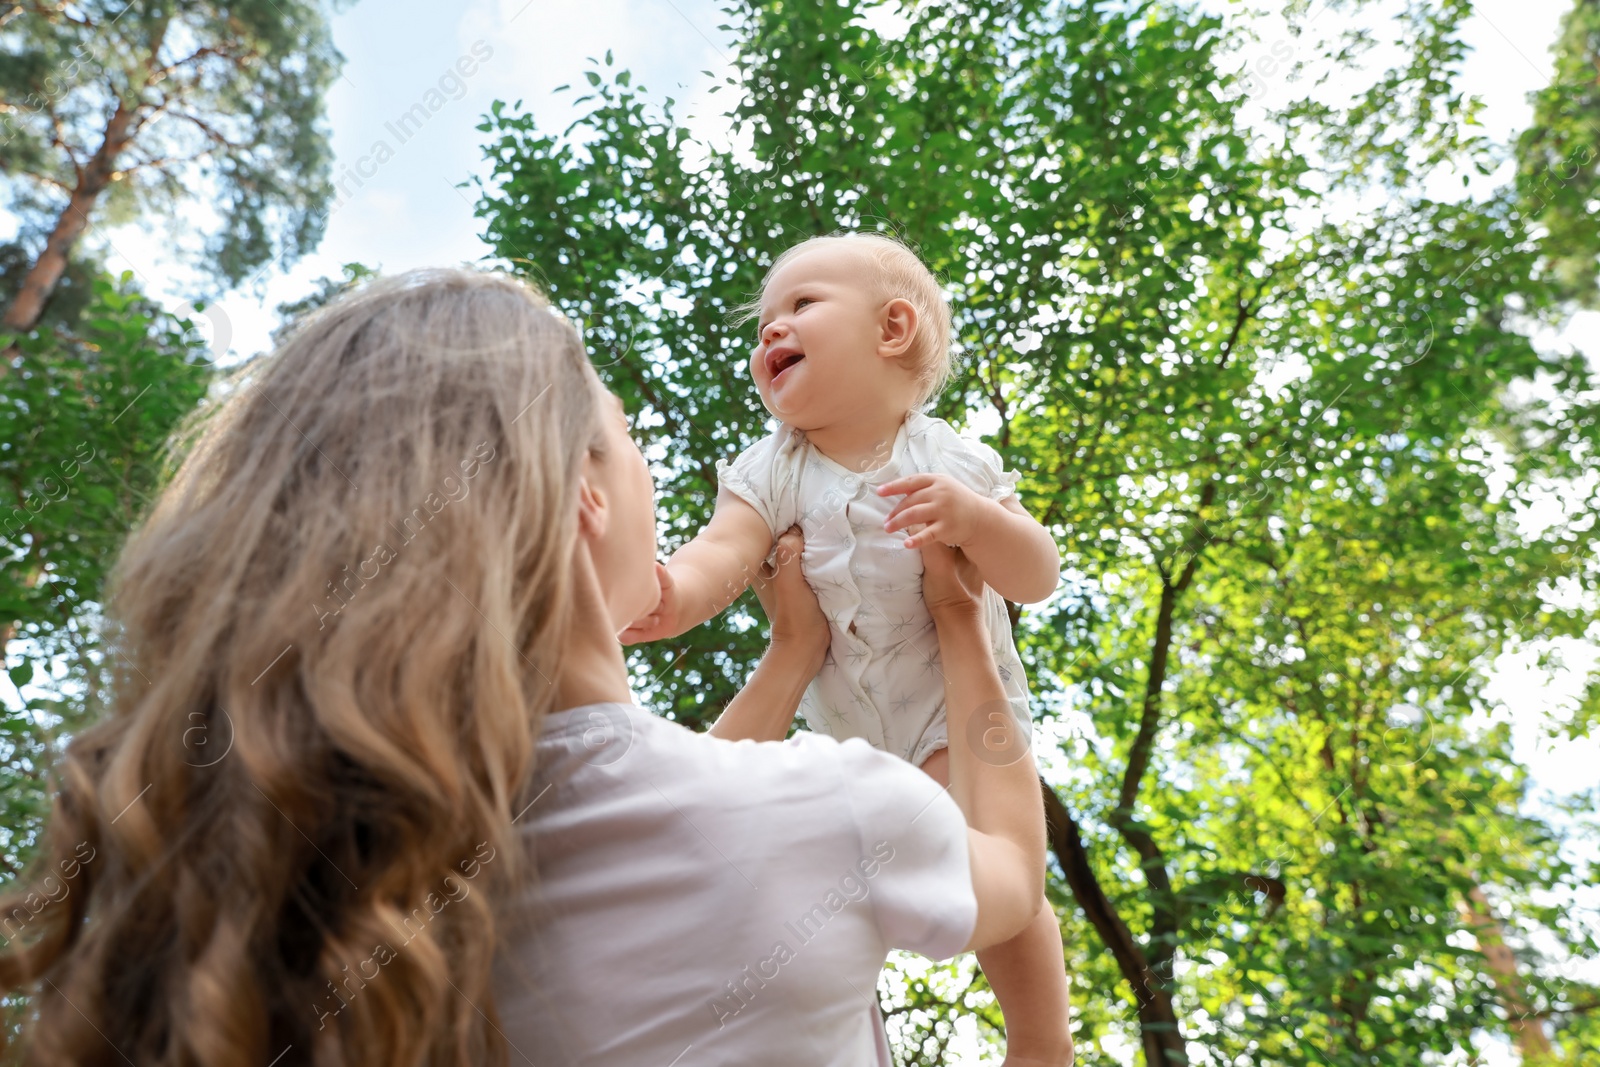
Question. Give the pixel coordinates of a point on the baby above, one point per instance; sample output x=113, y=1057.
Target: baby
x=853, y=339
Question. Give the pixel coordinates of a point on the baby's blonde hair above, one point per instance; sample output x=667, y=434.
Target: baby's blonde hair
x=900, y=273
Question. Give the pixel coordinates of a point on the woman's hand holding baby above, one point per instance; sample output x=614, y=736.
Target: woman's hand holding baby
x=951, y=585
x=789, y=601
x=952, y=513
x=765, y=707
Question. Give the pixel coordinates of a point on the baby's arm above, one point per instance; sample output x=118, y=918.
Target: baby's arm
x=707, y=574
x=1015, y=554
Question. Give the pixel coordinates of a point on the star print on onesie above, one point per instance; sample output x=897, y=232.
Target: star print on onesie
x=881, y=680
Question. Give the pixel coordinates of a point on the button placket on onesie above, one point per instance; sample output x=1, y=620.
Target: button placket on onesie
x=861, y=630
x=831, y=535
x=885, y=646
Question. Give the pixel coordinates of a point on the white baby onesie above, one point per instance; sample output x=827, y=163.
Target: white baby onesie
x=881, y=679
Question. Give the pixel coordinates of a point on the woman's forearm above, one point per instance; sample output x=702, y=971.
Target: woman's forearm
x=992, y=774
x=764, y=708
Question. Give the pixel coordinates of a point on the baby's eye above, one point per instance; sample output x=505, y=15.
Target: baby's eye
x=802, y=302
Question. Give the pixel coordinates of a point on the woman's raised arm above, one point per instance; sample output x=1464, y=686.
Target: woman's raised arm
x=992, y=774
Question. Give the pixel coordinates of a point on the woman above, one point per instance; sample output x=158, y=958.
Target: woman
x=374, y=790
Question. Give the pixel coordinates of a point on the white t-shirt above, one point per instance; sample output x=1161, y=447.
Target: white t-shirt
x=882, y=678
x=707, y=902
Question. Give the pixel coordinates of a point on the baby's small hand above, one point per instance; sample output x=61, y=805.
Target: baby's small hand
x=953, y=513
x=660, y=623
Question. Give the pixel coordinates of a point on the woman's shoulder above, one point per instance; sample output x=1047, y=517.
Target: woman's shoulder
x=628, y=738
x=788, y=808
x=863, y=786
x=607, y=734
x=804, y=763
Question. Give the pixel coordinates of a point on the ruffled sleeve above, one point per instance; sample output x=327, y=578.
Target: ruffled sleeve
x=765, y=476
x=999, y=482
x=978, y=466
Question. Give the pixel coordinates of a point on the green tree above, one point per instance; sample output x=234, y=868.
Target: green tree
x=1559, y=157
x=1280, y=445
x=323, y=291
x=83, y=420
x=115, y=110
x=84, y=417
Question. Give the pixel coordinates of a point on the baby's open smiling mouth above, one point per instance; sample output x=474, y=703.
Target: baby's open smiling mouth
x=781, y=360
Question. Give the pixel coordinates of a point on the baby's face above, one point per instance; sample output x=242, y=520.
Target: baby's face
x=815, y=357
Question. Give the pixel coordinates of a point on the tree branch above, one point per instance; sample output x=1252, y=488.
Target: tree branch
x=1160, y=1033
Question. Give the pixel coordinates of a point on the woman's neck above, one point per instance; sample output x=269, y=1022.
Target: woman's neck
x=592, y=673
x=592, y=668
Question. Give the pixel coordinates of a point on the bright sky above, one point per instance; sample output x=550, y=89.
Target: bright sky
x=405, y=212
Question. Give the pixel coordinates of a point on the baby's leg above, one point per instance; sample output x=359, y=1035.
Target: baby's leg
x=1028, y=975
x=937, y=766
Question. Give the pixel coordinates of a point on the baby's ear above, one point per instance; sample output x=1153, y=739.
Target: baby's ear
x=897, y=324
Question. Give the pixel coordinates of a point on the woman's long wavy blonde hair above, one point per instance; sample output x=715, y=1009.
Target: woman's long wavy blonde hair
x=337, y=624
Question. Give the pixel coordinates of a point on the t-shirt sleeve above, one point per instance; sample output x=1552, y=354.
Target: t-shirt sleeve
x=914, y=839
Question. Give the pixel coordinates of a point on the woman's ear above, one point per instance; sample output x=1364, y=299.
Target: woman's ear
x=591, y=509
x=897, y=328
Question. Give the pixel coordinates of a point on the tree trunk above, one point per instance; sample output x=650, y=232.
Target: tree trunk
x=1160, y=1034
x=1150, y=974
x=1163, y=942
x=1527, y=1029
x=93, y=178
